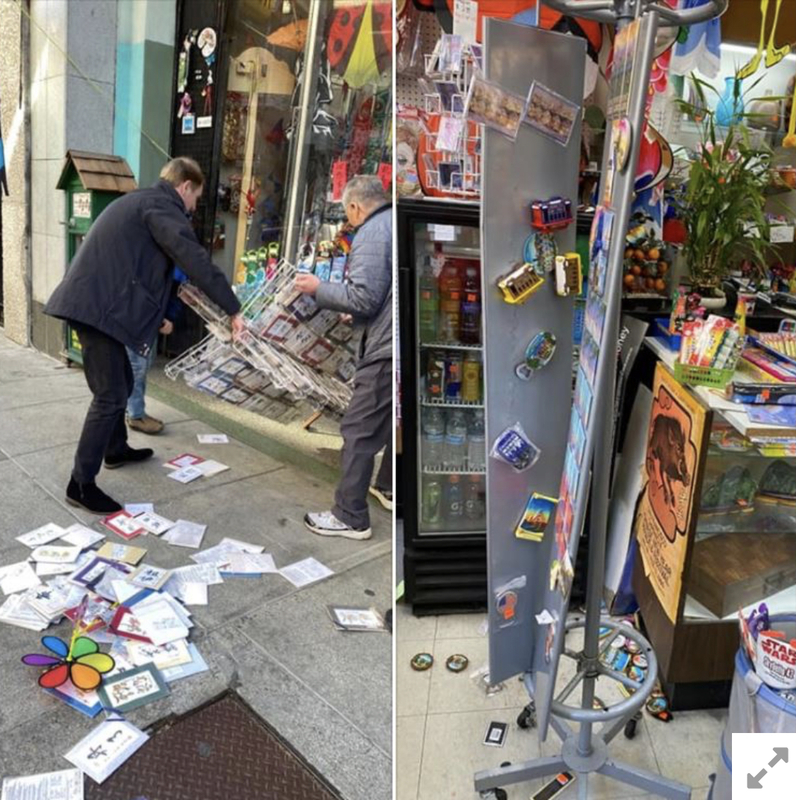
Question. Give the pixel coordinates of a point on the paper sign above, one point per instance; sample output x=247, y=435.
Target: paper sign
x=339, y=180
x=106, y=748
x=442, y=233
x=302, y=573
x=64, y=785
x=465, y=20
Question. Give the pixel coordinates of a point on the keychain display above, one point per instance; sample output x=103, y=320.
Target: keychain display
x=515, y=448
x=538, y=354
x=569, y=275
x=551, y=215
x=520, y=284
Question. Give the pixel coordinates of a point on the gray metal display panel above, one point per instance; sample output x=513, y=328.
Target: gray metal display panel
x=515, y=173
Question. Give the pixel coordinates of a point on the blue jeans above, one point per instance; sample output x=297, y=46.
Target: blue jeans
x=140, y=364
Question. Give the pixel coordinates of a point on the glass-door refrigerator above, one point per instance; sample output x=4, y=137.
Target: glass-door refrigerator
x=443, y=462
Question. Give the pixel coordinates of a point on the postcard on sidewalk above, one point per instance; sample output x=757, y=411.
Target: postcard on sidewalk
x=154, y=523
x=66, y=784
x=56, y=554
x=87, y=703
x=44, y=570
x=123, y=524
x=127, y=625
x=149, y=577
x=347, y=618
x=209, y=468
x=44, y=535
x=17, y=577
x=106, y=748
x=194, y=594
x=125, y=553
x=80, y=536
x=173, y=654
x=185, y=474
x=134, y=509
x=184, y=460
x=246, y=547
x=132, y=689
x=161, y=623
x=196, y=665
x=212, y=438
x=305, y=572
x=186, y=534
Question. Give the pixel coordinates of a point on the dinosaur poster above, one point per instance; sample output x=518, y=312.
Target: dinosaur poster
x=674, y=442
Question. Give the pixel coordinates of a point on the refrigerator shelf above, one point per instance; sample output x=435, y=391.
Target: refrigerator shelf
x=449, y=404
x=446, y=471
x=444, y=346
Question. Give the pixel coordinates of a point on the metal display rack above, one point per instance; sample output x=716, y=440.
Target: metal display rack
x=529, y=649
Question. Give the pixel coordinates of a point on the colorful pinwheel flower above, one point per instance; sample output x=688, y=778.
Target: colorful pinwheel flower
x=82, y=663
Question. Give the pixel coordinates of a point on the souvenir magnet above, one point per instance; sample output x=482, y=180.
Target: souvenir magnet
x=520, y=284
x=550, y=637
x=537, y=355
x=623, y=138
x=515, y=448
x=640, y=661
x=569, y=275
x=422, y=661
x=658, y=706
x=547, y=251
x=189, y=124
x=457, y=663
x=207, y=43
x=632, y=647
x=555, y=569
x=506, y=605
x=636, y=673
x=621, y=660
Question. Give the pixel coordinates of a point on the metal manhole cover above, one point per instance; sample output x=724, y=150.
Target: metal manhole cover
x=224, y=751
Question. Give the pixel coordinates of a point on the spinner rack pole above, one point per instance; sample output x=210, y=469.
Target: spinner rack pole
x=587, y=751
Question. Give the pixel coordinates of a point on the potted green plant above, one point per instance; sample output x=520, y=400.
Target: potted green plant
x=723, y=202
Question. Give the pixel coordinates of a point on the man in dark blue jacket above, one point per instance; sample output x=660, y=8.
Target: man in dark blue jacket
x=115, y=295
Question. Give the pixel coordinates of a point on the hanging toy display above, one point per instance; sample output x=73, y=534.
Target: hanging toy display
x=184, y=62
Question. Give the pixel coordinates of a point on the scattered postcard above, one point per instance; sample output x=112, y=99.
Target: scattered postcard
x=357, y=619
x=43, y=569
x=118, y=652
x=127, y=625
x=161, y=623
x=92, y=573
x=106, y=748
x=496, y=734
x=249, y=564
x=17, y=577
x=194, y=667
x=186, y=474
x=213, y=438
x=98, y=613
x=185, y=460
x=125, y=553
x=210, y=468
x=87, y=703
x=173, y=654
x=186, y=534
x=64, y=785
x=54, y=600
x=134, y=509
x=56, y=554
x=17, y=611
x=132, y=689
x=154, y=523
x=80, y=536
x=123, y=524
x=199, y=573
x=194, y=594
x=302, y=573
x=44, y=535
x=123, y=591
x=246, y=547
x=218, y=555
x=149, y=577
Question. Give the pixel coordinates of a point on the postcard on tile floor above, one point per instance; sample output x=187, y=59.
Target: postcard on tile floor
x=302, y=573
x=356, y=619
x=184, y=460
x=106, y=748
x=173, y=654
x=66, y=784
x=17, y=577
x=186, y=474
x=186, y=534
x=149, y=577
x=154, y=523
x=44, y=535
x=134, y=509
x=132, y=689
x=123, y=524
x=212, y=438
x=56, y=554
x=125, y=553
x=80, y=536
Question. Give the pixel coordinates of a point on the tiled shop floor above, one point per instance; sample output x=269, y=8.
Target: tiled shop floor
x=442, y=718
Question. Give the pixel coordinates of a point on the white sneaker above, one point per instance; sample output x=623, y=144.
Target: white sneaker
x=384, y=497
x=325, y=523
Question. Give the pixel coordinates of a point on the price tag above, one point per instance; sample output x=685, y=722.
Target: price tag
x=442, y=233
x=465, y=20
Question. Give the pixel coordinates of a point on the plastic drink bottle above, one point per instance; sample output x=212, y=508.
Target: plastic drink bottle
x=428, y=306
x=432, y=502
x=450, y=303
x=476, y=441
x=435, y=376
x=471, y=308
x=455, y=503
x=433, y=437
x=474, y=500
x=471, y=378
x=456, y=441
x=453, y=376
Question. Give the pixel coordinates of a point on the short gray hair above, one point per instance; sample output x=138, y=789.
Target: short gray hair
x=367, y=190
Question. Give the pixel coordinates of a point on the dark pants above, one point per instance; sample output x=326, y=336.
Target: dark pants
x=110, y=378
x=366, y=428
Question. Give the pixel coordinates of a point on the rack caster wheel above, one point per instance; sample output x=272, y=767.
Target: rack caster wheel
x=527, y=717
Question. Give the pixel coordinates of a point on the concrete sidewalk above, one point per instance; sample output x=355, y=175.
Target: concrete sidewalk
x=328, y=693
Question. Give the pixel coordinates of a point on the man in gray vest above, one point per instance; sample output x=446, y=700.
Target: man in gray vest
x=367, y=296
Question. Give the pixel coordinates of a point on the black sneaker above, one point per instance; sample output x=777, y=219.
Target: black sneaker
x=129, y=456
x=90, y=497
